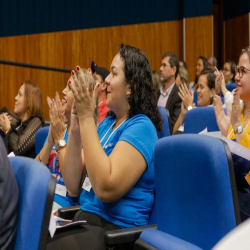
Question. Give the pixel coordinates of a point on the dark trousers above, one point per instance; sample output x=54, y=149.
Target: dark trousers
x=89, y=236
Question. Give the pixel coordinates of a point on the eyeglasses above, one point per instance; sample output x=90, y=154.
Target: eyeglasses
x=241, y=71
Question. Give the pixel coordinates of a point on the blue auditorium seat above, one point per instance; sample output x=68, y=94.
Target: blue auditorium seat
x=196, y=196
x=165, y=125
x=36, y=192
x=40, y=137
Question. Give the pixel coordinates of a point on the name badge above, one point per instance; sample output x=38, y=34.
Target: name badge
x=61, y=190
x=86, y=184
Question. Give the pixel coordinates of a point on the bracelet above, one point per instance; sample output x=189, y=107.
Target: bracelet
x=41, y=160
x=7, y=131
x=61, y=148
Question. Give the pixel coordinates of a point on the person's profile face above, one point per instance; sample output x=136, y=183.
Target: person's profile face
x=116, y=85
x=227, y=72
x=243, y=80
x=98, y=78
x=68, y=98
x=166, y=71
x=20, y=102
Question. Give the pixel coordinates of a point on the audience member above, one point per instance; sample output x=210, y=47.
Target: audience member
x=200, y=65
x=235, y=124
x=229, y=71
x=182, y=77
x=212, y=62
x=20, y=128
x=9, y=196
x=53, y=151
x=182, y=63
x=168, y=93
x=205, y=93
x=113, y=190
x=100, y=94
x=156, y=77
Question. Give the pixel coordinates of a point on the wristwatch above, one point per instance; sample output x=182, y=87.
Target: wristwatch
x=238, y=130
x=60, y=144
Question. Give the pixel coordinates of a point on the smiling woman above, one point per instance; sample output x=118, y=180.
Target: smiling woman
x=236, y=123
x=205, y=93
x=200, y=66
x=112, y=167
x=20, y=128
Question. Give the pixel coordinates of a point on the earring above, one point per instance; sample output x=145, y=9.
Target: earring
x=128, y=95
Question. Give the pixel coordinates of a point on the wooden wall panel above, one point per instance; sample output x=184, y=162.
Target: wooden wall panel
x=70, y=48
x=198, y=41
x=236, y=37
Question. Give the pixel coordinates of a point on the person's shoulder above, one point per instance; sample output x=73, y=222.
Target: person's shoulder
x=141, y=121
x=36, y=118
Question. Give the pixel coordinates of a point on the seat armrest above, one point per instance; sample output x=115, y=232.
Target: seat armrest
x=155, y=239
x=126, y=235
x=68, y=213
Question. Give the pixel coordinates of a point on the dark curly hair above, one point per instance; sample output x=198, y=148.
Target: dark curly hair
x=142, y=99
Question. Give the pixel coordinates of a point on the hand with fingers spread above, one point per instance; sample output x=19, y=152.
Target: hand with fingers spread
x=187, y=98
x=223, y=120
x=57, y=125
x=5, y=123
x=236, y=110
x=50, y=137
x=83, y=100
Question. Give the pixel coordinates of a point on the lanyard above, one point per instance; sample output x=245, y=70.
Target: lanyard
x=110, y=134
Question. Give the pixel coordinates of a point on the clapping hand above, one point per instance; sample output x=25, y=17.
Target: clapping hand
x=223, y=120
x=187, y=98
x=5, y=122
x=83, y=100
x=236, y=110
x=57, y=124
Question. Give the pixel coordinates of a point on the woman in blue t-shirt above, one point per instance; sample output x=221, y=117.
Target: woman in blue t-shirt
x=111, y=168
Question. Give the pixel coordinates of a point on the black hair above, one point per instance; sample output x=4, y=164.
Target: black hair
x=205, y=64
x=142, y=99
x=210, y=77
x=232, y=68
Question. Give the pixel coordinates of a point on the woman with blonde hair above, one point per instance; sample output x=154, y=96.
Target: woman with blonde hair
x=182, y=77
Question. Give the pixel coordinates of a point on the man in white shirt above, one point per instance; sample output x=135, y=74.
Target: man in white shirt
x=168, y=93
